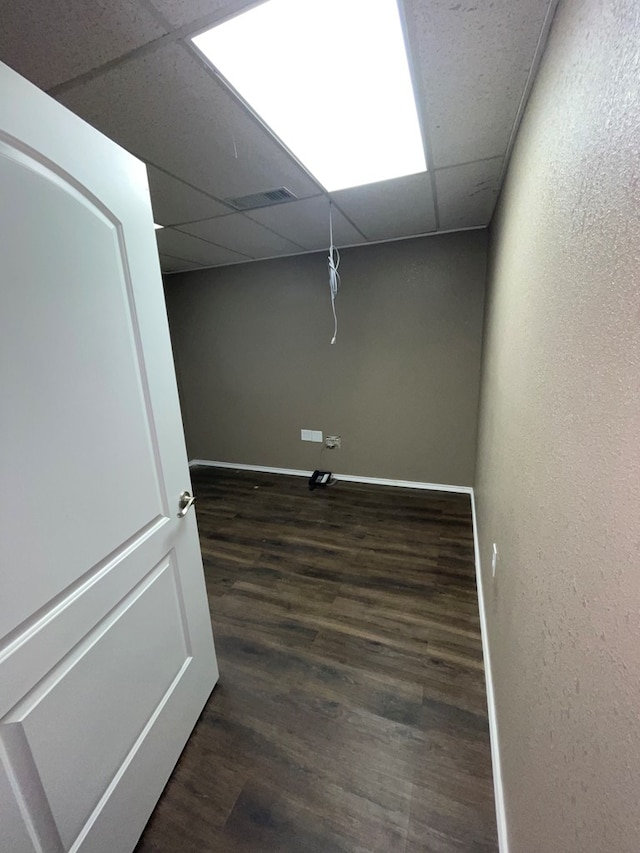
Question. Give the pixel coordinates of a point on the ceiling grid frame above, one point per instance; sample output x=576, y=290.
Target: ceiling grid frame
x=533, y=17
x=422, y=107
x=213, y=72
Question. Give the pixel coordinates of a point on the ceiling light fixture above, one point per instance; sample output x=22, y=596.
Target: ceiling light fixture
x=331, y=79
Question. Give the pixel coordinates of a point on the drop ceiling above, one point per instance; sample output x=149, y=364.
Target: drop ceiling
x=128, y=68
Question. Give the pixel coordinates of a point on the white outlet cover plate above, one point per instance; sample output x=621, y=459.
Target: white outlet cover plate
x=311, y=435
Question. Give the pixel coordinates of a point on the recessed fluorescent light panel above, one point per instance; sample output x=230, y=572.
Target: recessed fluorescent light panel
x=331, y=79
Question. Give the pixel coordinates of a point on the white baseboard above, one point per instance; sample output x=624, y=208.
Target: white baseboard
x=237, y=467
x=498, y=791
x=348, y=478
x=405, y=484
x=503, y=843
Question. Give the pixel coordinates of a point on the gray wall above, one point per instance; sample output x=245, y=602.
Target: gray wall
x=401, y=384
x=559, y=447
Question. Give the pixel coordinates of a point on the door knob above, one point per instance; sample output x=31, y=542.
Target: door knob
x=186, y=500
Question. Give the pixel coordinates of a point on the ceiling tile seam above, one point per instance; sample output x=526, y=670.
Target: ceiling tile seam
x=187, y=184
x=175, y=257
x=528, y=86
x=201, y=191
x=180, y=272
x=211, y=243
x=218, y=16
x=346, y=216
x=289, y=240
x=186, y=269
x=421, y=108
x=221, y=201
x=337, y=207
x=469, y=163
x=99, y=70
x=204, y=22
x=253, y=221
x=305, y=248
x=156, y=14
x=173, y=34
x=273, y=231
x=222, y=81
x=232, y=210
x=349, y=246
x=198, y=221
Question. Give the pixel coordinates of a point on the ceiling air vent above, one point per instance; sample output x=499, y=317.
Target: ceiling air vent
x=265, y=199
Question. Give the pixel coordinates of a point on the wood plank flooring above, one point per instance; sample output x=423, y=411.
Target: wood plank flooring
x=350, y=716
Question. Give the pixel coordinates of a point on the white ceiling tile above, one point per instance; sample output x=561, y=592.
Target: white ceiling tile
x=467, y=194
x=307, y=222
x=188, y=248
x=472, y=59
x=166, y=108
x=400, y=207
x=174, y=202
x=50, y=43
x=169, y=264
x=241, y=234
x=181, y=12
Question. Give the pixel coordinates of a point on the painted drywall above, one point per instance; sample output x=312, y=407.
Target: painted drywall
x=558, y=486
x=400, y=385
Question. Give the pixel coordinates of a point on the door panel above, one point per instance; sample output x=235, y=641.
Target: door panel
x=73, y=296
x=63, y=625
x=106, y=649
x=14, y=829
x=92, y=689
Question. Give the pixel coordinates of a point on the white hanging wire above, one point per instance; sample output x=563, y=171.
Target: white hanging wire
x=334, y=275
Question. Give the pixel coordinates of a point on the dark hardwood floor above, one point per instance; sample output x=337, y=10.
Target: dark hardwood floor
x=350, y=716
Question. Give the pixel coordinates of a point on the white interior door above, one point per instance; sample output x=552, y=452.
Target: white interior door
x=106, y=652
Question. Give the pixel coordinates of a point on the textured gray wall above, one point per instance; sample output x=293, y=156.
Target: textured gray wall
x=401, y=384
x=559, y=445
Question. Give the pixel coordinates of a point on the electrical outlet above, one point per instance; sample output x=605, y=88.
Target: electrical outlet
x=333, y=441
x=494, y=560
x=311, y=435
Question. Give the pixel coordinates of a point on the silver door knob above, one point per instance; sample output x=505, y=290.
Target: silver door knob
x=186, y=500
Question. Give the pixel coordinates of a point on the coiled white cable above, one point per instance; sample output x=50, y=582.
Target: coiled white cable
x=334, y=275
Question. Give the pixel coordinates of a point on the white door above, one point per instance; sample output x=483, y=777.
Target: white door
x=106, y=653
